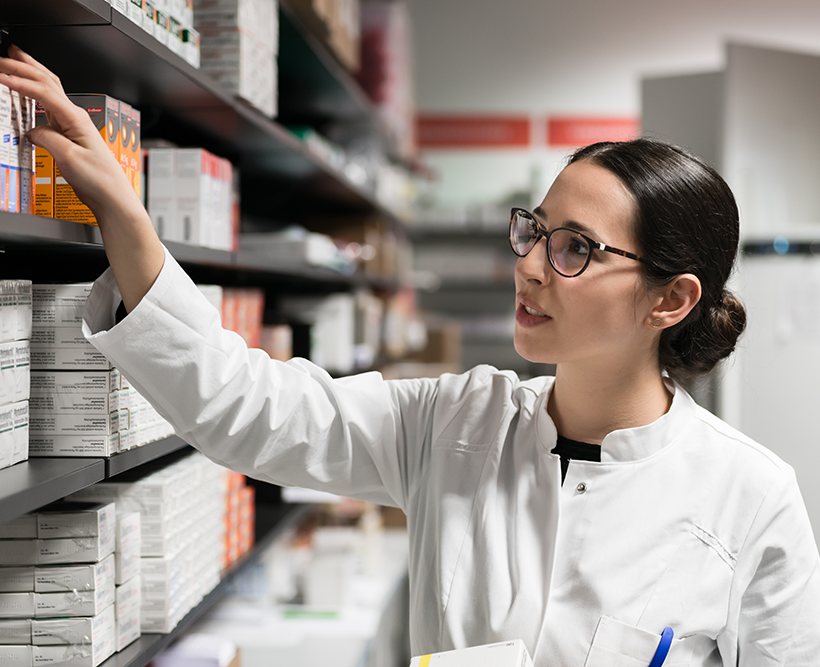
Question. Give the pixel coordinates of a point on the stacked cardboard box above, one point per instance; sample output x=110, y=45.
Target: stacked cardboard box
x=239, y=518
x=15, y=332
x=386, y=72
x=16, y=152
x=239, y=42
x=128, y=592
x=170, y=22
x=337, y=23
x=193, y=197
x=58, y=585
x=182, y=511
x=80, y=405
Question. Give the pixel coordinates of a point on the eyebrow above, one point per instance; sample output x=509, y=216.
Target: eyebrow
x=569, y=224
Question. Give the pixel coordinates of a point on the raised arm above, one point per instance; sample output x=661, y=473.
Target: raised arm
x=134, y=251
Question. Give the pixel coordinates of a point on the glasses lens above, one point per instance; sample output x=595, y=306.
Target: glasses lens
x=523, y=233
x=568, y=252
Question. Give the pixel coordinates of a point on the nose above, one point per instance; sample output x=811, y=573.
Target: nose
x=535, y=267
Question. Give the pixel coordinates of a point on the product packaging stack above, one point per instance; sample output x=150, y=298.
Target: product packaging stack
x=386, y=73
x=128, y=591
x=119, y=125
x=239, y=518
x=16, y=152
x=239, y=43
x=170, y=22
x=57, y=603
x=332, y=321
x=193, y=197
x=242, y=311
x=182, y=511
x=81, y=405
x=337, y=23
x=15, y=332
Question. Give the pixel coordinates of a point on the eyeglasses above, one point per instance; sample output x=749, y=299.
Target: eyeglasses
x=568, y=251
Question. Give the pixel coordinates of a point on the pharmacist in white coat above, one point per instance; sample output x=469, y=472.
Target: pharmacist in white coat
x=601, y=516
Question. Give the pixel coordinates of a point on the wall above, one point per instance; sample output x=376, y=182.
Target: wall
x=584, y=57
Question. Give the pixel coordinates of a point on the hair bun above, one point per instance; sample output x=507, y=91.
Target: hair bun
x=697, y=344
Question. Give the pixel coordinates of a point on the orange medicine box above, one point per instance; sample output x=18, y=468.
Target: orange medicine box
x=105, y=113
x=44, y=173
x=130, y=149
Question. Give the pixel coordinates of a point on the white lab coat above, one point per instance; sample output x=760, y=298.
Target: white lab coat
x=684, y=523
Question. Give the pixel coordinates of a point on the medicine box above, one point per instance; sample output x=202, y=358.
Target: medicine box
x=79, y=577
x=26, y=159
x=15, y=631
x=17, y=579
x=15, y=310
x=129, y=628
x=54, y=552
x=44, y=173
x=83, y=424
x=80, y=382
x=73, y=445
x=5, y=144
x=15, y=371
x=14, y=433
x=74, y=603
x=17, y=605
x=13, y=182
x=501, y=654
x=77, y=520
x=16, y=656
x=23, y=526
x=130, y=148
x=128, y=596
x=105, y=114
x=126, y=566
x=76, y=655
x=81, y=630
x=128, y=532
x=75, y=403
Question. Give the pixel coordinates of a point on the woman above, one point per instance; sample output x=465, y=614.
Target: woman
x=645, y=513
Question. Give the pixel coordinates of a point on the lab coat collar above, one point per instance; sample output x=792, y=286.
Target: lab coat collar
x=630, y=444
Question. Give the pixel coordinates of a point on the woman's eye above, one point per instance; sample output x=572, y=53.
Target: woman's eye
x=578, y=247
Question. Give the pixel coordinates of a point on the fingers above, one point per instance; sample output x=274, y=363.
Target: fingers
x=24, y=74
x=16, y=53
x=52, y=140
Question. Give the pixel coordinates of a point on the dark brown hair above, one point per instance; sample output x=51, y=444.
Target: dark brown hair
x=686, y=222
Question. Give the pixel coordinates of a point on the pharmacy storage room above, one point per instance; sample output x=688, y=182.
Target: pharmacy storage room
x=334, y=333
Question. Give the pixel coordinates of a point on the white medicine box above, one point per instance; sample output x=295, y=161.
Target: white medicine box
x=511, y=653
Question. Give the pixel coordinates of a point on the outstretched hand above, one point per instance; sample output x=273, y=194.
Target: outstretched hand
x=76, y=145
x=85, y=161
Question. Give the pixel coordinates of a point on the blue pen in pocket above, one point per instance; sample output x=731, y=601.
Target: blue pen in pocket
x=663, y=648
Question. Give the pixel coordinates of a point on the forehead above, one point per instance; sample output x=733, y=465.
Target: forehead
x=592, y=199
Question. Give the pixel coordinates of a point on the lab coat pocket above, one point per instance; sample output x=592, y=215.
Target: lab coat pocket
x=616, y=644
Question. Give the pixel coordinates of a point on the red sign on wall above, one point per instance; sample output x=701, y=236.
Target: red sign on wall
x=580, y=131
x=474, y=131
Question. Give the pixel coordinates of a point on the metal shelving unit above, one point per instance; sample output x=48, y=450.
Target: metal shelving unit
x=41, y=247
x=31, y=484
x=110, y=53
x=94, y=48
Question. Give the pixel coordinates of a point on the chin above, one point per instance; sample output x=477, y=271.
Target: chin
x=528, y=350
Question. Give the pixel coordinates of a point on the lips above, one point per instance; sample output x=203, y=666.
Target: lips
x=532, y=311
x=529, y=314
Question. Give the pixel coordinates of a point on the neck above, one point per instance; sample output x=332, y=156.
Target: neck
x=586, y=405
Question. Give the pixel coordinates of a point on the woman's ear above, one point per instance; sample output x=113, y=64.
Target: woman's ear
x=675, y=301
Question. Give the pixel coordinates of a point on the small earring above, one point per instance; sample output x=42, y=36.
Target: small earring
x=657, y=323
